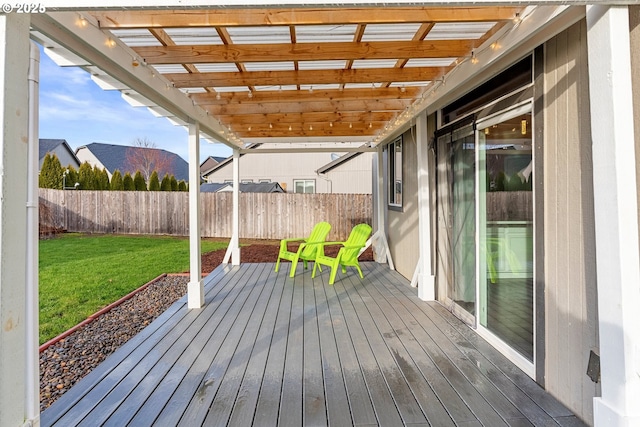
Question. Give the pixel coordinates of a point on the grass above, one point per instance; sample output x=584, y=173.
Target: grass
x=79, y=274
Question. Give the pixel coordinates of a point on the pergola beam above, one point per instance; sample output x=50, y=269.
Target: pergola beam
x=305, y=77
x=275, y=96
x=276, y=52
x=308, y=16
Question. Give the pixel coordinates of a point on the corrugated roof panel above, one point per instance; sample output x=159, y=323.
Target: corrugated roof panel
x=388, y=32
x=217, y=68
x=321, y=65
x=269, y=66
x=460, y=31
x=325, y=33
x=170, y=68
x=232, y=89
x=374, y=63
x=430, y=62
x=135, y=37
x=194, y=36
x=259, y=35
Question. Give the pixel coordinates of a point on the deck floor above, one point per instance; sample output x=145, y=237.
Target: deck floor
x=268, y=350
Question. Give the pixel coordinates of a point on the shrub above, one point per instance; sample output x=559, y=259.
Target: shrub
x=154, y=182
x=116, y=181
x=127, y=182
x=139, y=183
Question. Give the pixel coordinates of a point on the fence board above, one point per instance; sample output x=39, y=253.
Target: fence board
x=262, y=215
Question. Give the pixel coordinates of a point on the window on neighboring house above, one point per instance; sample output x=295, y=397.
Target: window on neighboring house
x=304, y=186
x=394, y=157
x=264, y=180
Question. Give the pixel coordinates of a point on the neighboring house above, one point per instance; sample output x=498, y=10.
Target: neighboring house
x=130, y=159
x=300, y=172
x=61, y=149
x=252, y=187
x=209, y=164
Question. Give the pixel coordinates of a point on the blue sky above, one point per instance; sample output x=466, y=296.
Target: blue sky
x=74, y=108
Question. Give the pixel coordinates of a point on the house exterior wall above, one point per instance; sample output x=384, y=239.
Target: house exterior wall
x=569, y=247
x=285, y=168
x=65, y=157
x=85, y=155
x=402, y=225
x=353, y=176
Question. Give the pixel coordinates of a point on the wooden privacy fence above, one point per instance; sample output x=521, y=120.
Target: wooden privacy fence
x=262, y=215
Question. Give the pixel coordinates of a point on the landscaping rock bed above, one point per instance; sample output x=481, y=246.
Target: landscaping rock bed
x=65, y=362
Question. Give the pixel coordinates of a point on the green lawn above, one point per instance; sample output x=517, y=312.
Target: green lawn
x=79, y=274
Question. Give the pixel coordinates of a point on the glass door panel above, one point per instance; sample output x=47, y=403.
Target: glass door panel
x=505, y=234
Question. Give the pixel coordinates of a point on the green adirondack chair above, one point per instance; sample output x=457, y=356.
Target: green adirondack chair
x=347, y=255
x=307, y=250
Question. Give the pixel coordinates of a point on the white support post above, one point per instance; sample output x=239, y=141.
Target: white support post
x=14, y=259
x=233, y=251
x=195, y=288
x=426, y=279
x=32, y=377
x=616, y=219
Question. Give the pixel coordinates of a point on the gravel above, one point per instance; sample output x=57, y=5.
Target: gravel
x=67, y=361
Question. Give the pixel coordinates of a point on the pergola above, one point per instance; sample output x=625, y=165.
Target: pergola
x=356, y=72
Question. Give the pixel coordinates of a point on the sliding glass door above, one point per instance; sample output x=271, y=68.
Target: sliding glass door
x=505, y=229
x=491, y=229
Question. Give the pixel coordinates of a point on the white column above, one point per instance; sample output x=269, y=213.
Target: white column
x=426, y=279
x=235, y=249
x=195, y=288
x=32, y=377
x=616, y=220
x=14, y=69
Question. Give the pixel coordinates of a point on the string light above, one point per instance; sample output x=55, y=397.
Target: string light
x=110, y=42
x=218, y=96
x=474, y=59
x=270, y=125
x=250, y=94
x=289, y=128
x=82, y=22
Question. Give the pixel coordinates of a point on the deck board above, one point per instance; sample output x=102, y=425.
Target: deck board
x=270, y=350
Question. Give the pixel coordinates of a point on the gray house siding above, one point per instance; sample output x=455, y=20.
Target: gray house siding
x=403, y=224
x=570, y=275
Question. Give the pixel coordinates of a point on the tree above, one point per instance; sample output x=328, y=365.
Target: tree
x=182, y=186
x=154, y=182
x=165, y=185
x=86, y=177
x=139, y=182
x=51, y=172
x=72, y=177
x=101, y=178
x=116, y=181
x=174, y=183
x=145, y=157
x=127, y=182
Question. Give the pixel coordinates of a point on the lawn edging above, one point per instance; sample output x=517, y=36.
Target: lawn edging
x=98, y=313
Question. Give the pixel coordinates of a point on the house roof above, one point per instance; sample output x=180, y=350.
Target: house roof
x=337, y=162
x=209, y=163
x=114, y=157
x=341, y=73
x=49, y=146
x=250, y=187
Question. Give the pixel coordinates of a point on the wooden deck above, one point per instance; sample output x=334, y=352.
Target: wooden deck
x=268, y=350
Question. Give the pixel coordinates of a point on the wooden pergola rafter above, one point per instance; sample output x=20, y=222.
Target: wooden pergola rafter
x=306, y=72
